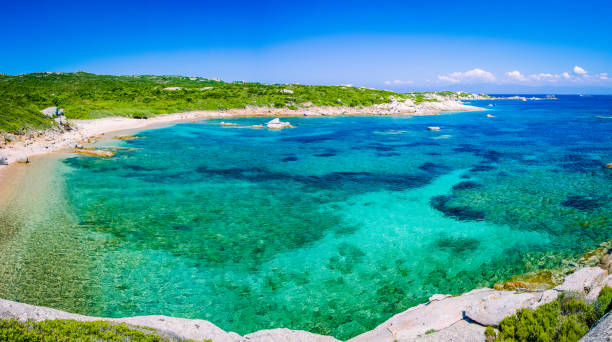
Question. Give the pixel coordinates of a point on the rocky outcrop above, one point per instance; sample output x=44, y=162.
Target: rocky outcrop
x=53, y=111
x=494, y=307
x=286, y=335
x=602, y=331
x=443, y=318
x=3, y=159
x=277, y=124
x=583, y=280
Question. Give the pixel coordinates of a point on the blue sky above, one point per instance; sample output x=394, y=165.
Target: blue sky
x=491, y=46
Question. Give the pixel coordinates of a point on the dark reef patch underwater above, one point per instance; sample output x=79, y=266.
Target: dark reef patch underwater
x=331, y=227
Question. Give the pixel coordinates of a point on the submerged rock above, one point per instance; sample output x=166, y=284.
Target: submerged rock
x=95, y=153
x=609, y=165
x=127, y=137
x=581, y=202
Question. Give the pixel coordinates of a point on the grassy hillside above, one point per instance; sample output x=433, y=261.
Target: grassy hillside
x=87, y=96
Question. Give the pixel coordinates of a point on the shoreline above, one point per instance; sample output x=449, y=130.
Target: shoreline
x=81, y=131
x=462, y=317
x=393, y=325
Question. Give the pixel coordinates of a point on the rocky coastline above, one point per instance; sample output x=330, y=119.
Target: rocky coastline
x=73, y=133
x=443, y=318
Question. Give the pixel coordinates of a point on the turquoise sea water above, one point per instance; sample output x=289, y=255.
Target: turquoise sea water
x=331, y=227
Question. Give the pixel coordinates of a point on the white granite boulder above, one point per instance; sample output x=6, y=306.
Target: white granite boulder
x=50, y=111
x=20, y=157
x=277, y=124
x=285, y=335
x=194, y=329
x=583, y=280
x=494, y=307
x=418, y=320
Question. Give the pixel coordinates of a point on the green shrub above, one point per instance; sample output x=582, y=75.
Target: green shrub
x=70, y=330
x=566, y=319
x=87, y=96
x=490, y=334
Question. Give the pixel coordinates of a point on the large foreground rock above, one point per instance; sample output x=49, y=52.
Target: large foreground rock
x=462, y=331
x=286, y=335
x=602, y=331
x=436, y=315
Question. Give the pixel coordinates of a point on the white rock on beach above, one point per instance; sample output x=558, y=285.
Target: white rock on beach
x=20, y=157
x=277, y=124
x=50, y=111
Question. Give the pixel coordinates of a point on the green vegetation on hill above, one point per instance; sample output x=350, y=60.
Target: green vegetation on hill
x=70, y=330
x=566, y=319
x=88, y=96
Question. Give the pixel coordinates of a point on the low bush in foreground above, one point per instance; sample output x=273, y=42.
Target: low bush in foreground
x=566, y=319
x=70, y=330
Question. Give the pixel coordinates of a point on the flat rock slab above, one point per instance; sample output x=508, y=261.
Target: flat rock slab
x=494, y=307
x=416, y=321
x=602, y=331
x=583, y=280
x=286, y=335
x=462, y=331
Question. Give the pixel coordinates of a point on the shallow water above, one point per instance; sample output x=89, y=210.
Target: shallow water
x=330, y=227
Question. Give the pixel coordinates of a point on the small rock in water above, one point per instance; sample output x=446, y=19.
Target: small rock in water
x=490, y=116
x=609, y=165
x=277, y=124
x=126, y=137
x=223, y=123
x=433, y=128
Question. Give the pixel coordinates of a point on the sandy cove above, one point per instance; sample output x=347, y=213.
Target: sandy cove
x=82, y=130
